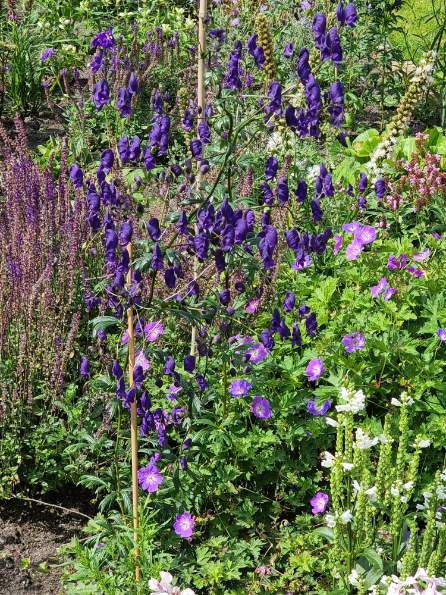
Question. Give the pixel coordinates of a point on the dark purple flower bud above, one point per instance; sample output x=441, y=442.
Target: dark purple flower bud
x=183, y=463
x=153, y=229
x=157, y=258
x=169, y=366
x=288, y=52
x=138, y=375
x=319, y=28
x=220, y=263
x=301, y=192
x=101, y=94
x=129, y=397
x=125, y=233
x=224, y=297
x=201, y=382
x=104, y=39
x=111, y=240
x=189, y=363
x=290, y=302
x=240, y=231
x=76, y=176
x=133, y=84
x=296, y=337
x=204, y=166
x=303, y=310
x=196, y=147
x=328, y=185
x=120, y=388
x=135, y=149
x=107, y=159
x=182, y=225
x=283, y=330
x=187, y=443
x=84, y=368
x=351, y=15
x=268, y=196
x=117, y=370
x=201, y=245
x=272, y=165
x=332, y=49
x=380, y=189
x=283, y=193
x=303, y=66
x=340, y=13
x=275, y=320
x=275, y=96
x=316, y=210
x=311, y=325
x=362, y=184
x=204, y=132
x=266, y=338
x=170, y=278
x=124, y=149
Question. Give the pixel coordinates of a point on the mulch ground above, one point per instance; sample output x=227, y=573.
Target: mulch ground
x=30, y=536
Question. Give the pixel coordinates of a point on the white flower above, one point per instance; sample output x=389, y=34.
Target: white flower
x=395, y=402
x=363, y=441
x=353, y=578
x=331, y=422
x=371, y=493
x=330, y=521
x=408, y=485
x=423, y=443
x=353, y=403
x=346, y=516
x=347, y=466
x=327, y=459
x=165, y=587
x=394, y=491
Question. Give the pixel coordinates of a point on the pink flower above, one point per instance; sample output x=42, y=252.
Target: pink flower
x=153, y=330
x=319, y=503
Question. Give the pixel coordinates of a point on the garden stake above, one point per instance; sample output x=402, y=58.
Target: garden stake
x=201, y=68
x=133, y=423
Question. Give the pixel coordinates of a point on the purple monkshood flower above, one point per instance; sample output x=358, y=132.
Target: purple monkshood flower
x=101, y=94
x=47, y=54
x=315, y=369
x=441, y=334
x=76, y=176
x=288, y=52
x=271, y=168
x=353, y=342
x=261, y=408
x=153, y=330
x=104, y=39
x=150, y=478
x=351, y=15
x=257, y=353
x=318, y=411
x=84, y=367
x=319, y=28
x=184, y=525
x=289, y=302
x=240, y=388
x=319, y=503
x=189, y=363
x=173, y=392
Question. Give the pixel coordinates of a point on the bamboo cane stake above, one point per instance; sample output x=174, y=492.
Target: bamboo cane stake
x=201, y=96
x=133, y=425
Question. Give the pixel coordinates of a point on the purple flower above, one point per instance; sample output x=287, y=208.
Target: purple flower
x=319, y=503
x=288, y=52
x=153, y=330
x=319, y=28
x=153, y=229
x=196, y=147
x=275, y=96
x=252, y=306
x=337, y=244
x=150, y=478
x=104, y=39
x=261, y=408
x=422, y=256
x=383, y=286
x=189, y=363
x=353, y=342
x=141, y=360
x=101, y=94
x=321, y=411
x=301, y=191
x=340, y=13
x=353, y=250
x=397, y=262
x=84, y=368
x=351, y=15
x=124, y=102
x=441, y=334
x=257, y=353
x=311, y=324
x=271, y=168
x=184, y=525
x=76, y=176
x=240, y=388
x=289, y=302
x=47, y=54
x=365, y=235
x=133, y=84
x=380, y=189
x=315, y=369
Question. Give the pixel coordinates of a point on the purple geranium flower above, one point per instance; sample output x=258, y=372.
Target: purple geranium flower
x=319, y=503
x=441, y=334
x=184, y=525
x=315, y=369
x=353, y=342
x=150, y=478
x=257, y=353
x=337, y=244
x=261, y=408
x=153, y=330
x=240, y=388
x=318, y=411
x=141, y=360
